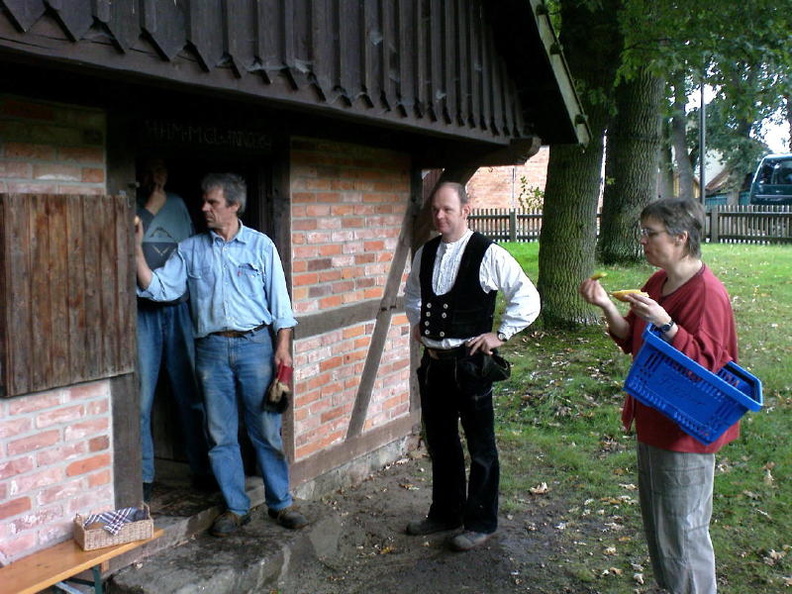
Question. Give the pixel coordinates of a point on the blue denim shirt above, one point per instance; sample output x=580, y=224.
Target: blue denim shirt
x=234, y=285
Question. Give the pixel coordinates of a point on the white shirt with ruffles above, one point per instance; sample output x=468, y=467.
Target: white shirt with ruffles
x=499, y=272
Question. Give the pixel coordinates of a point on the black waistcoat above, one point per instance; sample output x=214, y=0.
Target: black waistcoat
x=465, y=310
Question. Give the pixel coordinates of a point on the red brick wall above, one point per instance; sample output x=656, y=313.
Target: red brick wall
x=56, y=455
x=499, y=187
x=51, y=148
x=55, y=462
x=348, y=203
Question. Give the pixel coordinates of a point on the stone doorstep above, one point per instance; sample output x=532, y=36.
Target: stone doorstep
x=179, y=530
x=257, y=558
x=232, y=564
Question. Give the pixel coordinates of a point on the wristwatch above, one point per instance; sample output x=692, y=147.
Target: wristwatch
x=666, y=327
x=502, y=337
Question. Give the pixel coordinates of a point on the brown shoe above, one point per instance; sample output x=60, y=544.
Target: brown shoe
x=429, y=526
x=288, y=517
x=228, y=523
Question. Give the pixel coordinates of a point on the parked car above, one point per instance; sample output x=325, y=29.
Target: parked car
x=772, y=182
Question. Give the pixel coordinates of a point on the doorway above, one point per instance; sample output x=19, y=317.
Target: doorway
x=186, y=172
x=173, y=486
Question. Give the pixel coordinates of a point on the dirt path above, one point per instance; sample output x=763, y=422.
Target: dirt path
x=375, y=555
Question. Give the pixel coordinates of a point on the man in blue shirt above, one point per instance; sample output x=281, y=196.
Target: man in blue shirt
x=239, y=301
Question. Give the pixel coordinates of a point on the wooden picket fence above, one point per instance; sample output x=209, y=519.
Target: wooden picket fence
x=503, y=224
x=725, y=224
x=750, y=224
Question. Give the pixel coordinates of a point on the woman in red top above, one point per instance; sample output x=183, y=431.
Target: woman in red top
x=676, y=472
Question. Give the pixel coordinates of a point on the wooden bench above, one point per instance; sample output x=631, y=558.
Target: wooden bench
x=55, y=565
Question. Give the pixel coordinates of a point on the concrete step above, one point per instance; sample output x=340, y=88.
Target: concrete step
x=255, y=559
x=262, y=556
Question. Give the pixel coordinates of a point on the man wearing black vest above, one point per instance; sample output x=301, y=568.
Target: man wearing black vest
x=450, y=303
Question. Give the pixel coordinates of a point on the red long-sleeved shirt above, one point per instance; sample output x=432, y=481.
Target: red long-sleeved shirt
x=706, y=333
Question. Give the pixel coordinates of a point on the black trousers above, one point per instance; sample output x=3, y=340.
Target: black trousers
x=448, y=396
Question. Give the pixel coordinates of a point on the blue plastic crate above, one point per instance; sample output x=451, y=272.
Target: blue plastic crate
x=702, y=403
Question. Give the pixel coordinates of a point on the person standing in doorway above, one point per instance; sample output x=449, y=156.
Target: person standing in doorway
x=243, y=322
x=164, y=331
x=450, y=303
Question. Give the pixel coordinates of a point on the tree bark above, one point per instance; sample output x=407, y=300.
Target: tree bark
x=679, y=142
x=665, y=177
x=788, y=106
x=569, y=232
x=592, y=44
x=633, y=152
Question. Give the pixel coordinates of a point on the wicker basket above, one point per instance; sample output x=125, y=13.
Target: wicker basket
x=96, y=537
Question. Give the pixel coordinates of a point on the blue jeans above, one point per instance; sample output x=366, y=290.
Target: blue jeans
x=235, y=374
x=165, y=338
x=447, y=397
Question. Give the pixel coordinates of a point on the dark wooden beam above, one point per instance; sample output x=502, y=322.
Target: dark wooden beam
x=128, y=481
x=348, y=315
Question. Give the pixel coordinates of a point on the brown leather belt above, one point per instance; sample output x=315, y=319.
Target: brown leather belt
x=446, y=354
x=238, y=333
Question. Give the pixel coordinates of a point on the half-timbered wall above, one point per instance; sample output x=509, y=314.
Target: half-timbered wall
x=348, y=208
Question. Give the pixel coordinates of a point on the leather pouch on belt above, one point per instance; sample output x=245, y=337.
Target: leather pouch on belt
x=279, y=391
x=488, y=368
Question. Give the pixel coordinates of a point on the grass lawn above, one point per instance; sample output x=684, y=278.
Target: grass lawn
x=558, y=425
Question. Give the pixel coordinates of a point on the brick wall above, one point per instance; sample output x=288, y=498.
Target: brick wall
x=499, y=187
x=348, y=203
x=51, y=148
x=55, y=447
x=55, y=462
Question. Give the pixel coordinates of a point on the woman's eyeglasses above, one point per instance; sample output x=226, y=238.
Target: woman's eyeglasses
x=650, y=233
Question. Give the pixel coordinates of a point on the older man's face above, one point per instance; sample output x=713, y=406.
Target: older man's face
x=216, y=210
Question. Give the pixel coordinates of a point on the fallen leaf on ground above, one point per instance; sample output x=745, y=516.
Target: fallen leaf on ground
x=409, y=487
x=540, y=489
x=772, y=557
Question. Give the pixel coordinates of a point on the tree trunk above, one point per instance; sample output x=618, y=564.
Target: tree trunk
x=569, y=232
x=592, y=44
x=679, y=141
x=665, y=176
x=630, y=167
x=788, y=103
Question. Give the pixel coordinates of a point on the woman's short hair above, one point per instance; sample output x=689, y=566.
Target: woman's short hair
x=233, y=186
x=680, y=215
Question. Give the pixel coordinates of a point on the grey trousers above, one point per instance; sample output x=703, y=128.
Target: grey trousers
x=675, y=491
